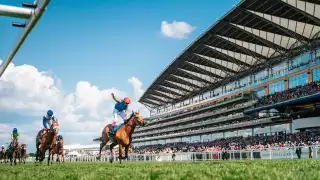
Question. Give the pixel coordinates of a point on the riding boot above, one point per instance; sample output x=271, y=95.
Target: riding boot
x=111, y=132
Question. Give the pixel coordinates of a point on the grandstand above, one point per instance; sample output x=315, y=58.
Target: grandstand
x=252, y=79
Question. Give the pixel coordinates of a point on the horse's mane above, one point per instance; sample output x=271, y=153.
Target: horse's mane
x=127, y=120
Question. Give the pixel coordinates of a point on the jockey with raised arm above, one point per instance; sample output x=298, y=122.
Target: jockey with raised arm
x=120, y=109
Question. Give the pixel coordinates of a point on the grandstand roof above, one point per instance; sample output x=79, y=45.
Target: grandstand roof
x=249, y=37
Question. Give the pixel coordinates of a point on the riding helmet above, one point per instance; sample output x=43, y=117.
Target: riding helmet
x=49, y=113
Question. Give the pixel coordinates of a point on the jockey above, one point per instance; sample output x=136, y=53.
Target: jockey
x=15, y=134
x=46, y=120
x=120, y=109
x=59, y=137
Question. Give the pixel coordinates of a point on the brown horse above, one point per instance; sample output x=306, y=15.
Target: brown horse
x=13, y=151
x=22, y=153
x=3, y=155
x=122, y=137
x=58, y=150
x=46, y=141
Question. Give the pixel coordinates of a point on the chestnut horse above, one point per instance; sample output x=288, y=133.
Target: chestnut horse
x=22, y=153
x=58, y=150
x=47, y=141
x=123, y=136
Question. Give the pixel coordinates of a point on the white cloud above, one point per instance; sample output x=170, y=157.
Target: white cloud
x=136, y=85
x=177, y=30
x=82, y=114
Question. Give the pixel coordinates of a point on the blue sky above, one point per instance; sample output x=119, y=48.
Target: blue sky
x=103, y=42
x=99, y=40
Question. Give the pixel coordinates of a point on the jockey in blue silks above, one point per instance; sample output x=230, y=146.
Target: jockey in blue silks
x=47, y=121
x=120, y=109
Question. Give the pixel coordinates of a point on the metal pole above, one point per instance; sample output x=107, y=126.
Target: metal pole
x=16, y=12
x=33, y=21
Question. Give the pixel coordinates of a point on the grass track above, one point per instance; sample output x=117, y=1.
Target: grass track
x=240, y=170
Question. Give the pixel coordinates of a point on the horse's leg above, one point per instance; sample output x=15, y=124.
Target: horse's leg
x=49, y=156
x=19, y=157
x=52, y=158
x=15, y=158
x=126, y=150
x=104, y=140
x=102, y=144
x=111, y=148
x=11, y=159
x=120, y=153
x=58, y=158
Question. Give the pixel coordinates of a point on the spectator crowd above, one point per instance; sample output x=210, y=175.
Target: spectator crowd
x=278, y=140
x=292, y=93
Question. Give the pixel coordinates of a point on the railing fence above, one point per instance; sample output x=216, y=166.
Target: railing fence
x=253, y=154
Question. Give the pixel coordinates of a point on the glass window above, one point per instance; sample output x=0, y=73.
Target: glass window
x=206, y=95
x=154, y=142
x=230, y=87
x=217, y=136
x=276, y=87
x=176, y=140
x=262, y=130
x=298, y=80
x=316, y=74
x=206, y=137
x=279, y=70
x=230, y=134
x=148, y=143
x=195, y=138
x=300, y=60
x=318, y=53
x=280, y=128
x=161, y=141
x=259, y=92
x=186, y=139
x=245, y=132
x=261, y=76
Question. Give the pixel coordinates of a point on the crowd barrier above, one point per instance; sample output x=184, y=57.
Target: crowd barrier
x=253, y=154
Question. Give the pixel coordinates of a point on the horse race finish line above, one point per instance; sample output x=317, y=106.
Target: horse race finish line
x=268, y=169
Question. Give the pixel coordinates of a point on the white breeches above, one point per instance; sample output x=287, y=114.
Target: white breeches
x=48, y=121
x=122, y=115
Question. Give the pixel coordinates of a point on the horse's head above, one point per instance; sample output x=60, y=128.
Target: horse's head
x=23, y=146
x=139, y=119
x=15, y=143
x=55, y=126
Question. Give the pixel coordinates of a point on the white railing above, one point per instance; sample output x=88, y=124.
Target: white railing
x=253, y=154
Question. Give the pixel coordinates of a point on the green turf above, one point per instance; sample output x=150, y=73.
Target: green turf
x=271, y=170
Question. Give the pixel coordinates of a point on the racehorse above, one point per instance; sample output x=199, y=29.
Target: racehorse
x=13, y=151
x=22, y=153
x=3, y=156
x=123, y=136
x=6, y=156
x=58, y=150
x=47, y=141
